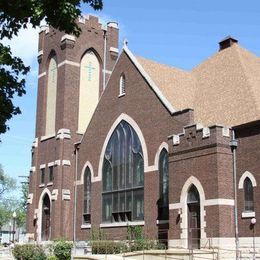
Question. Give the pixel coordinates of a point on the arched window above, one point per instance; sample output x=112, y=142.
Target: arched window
x=122, y=85
x=123, y=176
x=248, y=195
x=87, y=196
x=193, y=195
x=163, y=209
x=89, y=89
x=51, y=97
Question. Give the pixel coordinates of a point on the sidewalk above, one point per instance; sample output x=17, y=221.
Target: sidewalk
x=5, y=254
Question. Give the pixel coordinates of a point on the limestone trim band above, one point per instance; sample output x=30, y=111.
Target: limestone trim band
x=209, y=202
x=41, y=75
x=68, y=62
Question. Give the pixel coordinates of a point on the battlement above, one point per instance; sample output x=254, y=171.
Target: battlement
x=197, y=135
x=91, y=28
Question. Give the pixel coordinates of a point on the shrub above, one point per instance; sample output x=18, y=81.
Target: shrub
x=62, y=249
x=29, y=252
x=108, y=247
x=52, y=257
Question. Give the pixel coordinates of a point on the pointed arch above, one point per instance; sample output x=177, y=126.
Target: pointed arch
x=89, y=165
x=163, y=145
x=45, y=192
x=139, y=133
x=51, y=94
x=90, y=68
x=192, y=180
x=245, y=175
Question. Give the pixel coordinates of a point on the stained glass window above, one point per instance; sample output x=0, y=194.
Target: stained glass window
x=248, y=195
x=123, y=176
x=87, y=196
x=163, y=208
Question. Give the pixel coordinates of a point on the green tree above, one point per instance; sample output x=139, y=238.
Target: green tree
x=17, y=14
x=6, y=183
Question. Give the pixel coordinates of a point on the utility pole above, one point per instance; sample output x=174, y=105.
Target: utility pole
x=233, y=145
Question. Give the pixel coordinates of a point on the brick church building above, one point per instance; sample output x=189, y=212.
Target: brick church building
x=125, y=141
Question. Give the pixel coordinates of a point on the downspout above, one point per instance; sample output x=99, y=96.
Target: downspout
x=104, y=57
x=233, y=145
x=75, y=196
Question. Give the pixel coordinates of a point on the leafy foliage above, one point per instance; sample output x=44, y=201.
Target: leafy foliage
x=8, y=204
x=62, y=249
x=29, y=252
x=6, y=183
x=17, y=14
x=10, y=84
x=108, y=247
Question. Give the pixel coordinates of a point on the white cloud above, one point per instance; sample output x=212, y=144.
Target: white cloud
x=25, y=45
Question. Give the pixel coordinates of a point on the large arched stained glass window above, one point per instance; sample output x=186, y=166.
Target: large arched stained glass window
x=248, y=195
x=163, y=209
x=87, y=196
x=123, y=176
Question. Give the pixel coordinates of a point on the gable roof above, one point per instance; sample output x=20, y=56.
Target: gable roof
x=224, y=89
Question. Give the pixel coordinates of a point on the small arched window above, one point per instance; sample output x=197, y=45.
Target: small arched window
x=87, y=196
x=122, y=85
x=163, y=210
x=248, y=195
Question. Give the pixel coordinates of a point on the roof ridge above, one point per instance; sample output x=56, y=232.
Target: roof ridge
x=238, y=49
x=162, y=64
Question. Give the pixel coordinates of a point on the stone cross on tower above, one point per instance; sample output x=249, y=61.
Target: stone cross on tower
x=90, y=68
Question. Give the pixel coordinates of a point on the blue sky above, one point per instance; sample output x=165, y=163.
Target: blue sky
x=178, y=33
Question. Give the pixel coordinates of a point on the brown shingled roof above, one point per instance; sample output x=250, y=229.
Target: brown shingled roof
x=224, y=89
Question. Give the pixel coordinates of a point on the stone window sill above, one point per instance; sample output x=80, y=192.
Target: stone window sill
x=121, y=95
x=42, y=185
x=85, y=226
x=162, y=221
x=123, y=224
x=248, y=214
x=49, y=184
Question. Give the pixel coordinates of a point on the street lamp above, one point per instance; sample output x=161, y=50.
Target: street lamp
x=10, y=231
x=253, y=221
x=14, y=218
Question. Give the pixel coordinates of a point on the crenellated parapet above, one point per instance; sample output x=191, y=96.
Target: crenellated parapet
x=197, y=136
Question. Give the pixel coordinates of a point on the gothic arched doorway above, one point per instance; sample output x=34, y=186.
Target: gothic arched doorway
x=46, y=210
x=193, y=204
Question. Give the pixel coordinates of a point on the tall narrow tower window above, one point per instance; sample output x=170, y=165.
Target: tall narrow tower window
x=51, y=97
x=89, y=89
x=122, y=85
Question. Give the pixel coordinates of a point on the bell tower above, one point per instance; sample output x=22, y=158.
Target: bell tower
x=72, y=76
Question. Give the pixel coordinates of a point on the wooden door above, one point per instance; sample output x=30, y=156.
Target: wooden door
x=46, y=218
x=194, y=225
